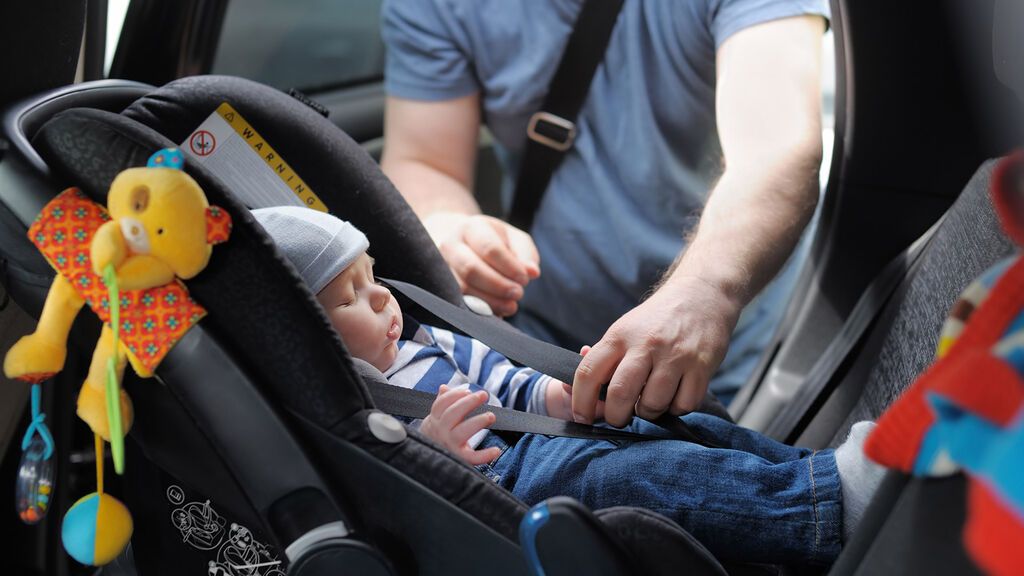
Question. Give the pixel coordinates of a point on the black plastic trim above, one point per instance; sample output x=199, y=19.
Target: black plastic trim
x=22, y=120
x=252, y=440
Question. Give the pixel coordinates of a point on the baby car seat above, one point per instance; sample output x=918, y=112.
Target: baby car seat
x=257, y=448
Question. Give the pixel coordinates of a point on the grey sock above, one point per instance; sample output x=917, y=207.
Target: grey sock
x=858, y=475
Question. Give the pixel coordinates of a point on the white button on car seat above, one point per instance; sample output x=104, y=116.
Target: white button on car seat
x=385, y=428
x=477, y=305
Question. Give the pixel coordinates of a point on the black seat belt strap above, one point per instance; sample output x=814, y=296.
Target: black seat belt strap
x=822, y=378
x=556, y=362
x=543, y=357
x=408, y=403
x=551, y=131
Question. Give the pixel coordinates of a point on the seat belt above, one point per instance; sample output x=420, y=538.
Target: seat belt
x=551, y=131
x=821, y=380
x=409, y=403
x=546, y=358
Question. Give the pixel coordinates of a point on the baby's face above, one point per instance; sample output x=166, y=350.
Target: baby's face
x=364, y=314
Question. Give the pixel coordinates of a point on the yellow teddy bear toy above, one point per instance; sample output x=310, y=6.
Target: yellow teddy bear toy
x=159, y=227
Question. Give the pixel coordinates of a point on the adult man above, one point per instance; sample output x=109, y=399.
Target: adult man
x=624, y=202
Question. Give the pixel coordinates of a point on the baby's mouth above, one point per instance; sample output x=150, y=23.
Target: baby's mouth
x=395, y=330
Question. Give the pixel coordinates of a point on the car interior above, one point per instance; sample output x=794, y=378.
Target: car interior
x=260, y=427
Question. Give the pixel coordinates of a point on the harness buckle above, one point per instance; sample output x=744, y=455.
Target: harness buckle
x=552, y=131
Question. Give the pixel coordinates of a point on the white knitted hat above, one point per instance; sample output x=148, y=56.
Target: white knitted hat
x=319, y=245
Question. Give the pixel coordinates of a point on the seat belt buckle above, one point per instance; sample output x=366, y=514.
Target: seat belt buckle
x=552, y=131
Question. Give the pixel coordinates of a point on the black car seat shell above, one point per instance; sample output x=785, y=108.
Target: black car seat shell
x=247, y=390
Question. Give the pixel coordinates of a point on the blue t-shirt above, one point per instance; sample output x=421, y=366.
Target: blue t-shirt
x=647, y=152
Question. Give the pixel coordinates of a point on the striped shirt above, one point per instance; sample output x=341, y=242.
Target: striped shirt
x=429, y=357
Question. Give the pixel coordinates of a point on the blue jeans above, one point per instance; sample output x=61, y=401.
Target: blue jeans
x=758, y=501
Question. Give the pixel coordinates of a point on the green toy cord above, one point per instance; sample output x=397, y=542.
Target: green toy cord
x=113, y=386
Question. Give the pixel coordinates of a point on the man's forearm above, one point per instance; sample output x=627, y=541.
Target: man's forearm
x=429, y=190
x=750, y=225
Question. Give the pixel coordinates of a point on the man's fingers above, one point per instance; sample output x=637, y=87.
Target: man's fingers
x=526, y=250
x=659, y=391
x=625, y=387
x=489, y=240
x=480, y=279
x=477, y=457
x=464, y=431
x=593, y=372
x=692, y=389
x=500, y=306
x=458, y=411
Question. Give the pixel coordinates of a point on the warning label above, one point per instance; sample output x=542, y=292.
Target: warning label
x=229, y=147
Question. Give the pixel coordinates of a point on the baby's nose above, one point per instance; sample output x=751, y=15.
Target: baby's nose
x=381, y=297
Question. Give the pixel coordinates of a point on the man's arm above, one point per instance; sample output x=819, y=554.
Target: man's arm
x=661, y=355
x=430, y=151
x=429, y=154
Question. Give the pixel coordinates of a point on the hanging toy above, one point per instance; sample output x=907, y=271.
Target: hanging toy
x=126, y=266
x=98, y=526
x=34, y=485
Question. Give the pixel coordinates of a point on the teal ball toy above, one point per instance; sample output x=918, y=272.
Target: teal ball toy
x=96, y=529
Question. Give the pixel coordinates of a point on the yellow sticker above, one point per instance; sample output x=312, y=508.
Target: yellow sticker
x=233, y=150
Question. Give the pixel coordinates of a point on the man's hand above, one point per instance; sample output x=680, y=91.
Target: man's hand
x=658, y=357
x=429, y=153
x=491, y=259
x=448, y=426
x=558, y=398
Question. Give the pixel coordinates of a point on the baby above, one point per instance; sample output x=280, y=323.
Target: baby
x=756, y=501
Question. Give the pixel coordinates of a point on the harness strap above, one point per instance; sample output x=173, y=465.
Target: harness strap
x=546, y=358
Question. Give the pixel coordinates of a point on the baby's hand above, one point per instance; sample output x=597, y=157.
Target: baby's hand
x=559, y=398
x=448, y=426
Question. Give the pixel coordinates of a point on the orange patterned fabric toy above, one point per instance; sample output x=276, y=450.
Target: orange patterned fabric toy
x=152, y=320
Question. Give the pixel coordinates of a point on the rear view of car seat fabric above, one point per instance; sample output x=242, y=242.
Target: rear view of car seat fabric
x=916, y=528
x=902, y=342
x=965, y=245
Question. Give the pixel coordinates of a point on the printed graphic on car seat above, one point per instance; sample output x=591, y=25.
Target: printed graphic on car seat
x=243, y=555
x=200, y=525
x=238, y=553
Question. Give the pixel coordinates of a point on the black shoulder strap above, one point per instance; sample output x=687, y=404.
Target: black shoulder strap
x=551, y=131
x=556, y=362
x=822, y=379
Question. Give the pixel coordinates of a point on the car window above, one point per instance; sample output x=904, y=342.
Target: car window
x=116, y=10
x=311, y=45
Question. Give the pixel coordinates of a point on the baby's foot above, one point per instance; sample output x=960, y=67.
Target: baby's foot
x=858, y=475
